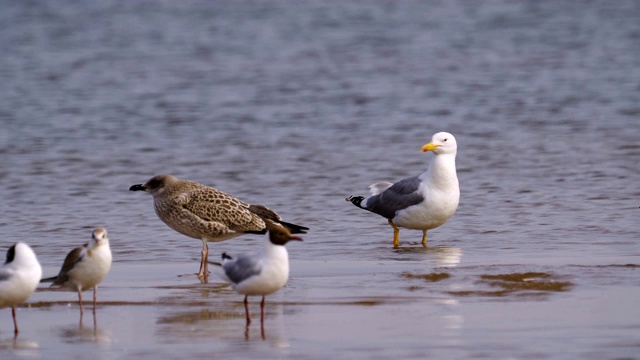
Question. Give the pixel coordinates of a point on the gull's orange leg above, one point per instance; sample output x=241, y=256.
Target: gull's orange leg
x=396, y=234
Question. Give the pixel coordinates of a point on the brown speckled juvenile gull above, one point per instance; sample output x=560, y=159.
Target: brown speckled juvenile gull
x=206, y=213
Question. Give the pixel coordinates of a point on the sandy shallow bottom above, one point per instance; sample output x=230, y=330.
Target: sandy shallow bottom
x=374, y=309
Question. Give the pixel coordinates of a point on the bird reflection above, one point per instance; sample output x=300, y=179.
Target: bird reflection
x=447, y=256
x=95, y=323
x=444, y=256
x=28, y=348
x=247, y=332
x=202, y=279
x=82, y=334
x=225, y=321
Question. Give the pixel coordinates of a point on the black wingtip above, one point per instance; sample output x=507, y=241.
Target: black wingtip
x=51, y=279
x=295, y=229
x=356, y=200
x=226, y=257
x=11, y=254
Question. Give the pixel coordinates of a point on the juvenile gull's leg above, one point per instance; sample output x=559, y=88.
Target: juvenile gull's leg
x=204, y=269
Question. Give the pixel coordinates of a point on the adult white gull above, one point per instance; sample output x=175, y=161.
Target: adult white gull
x=421, y=202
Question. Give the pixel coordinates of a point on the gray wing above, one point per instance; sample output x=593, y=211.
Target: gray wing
x=242, y=268
x=399, y=196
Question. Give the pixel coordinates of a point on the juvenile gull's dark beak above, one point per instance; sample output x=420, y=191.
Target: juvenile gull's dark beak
x=137, y=187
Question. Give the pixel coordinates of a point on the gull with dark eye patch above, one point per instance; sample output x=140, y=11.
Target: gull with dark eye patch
x=420, y=202
x=19, y=278
x=261, y=275
x=208, y=214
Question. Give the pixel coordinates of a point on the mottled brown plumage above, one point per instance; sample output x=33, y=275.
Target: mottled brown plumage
x=206, y=213
x=69, y=262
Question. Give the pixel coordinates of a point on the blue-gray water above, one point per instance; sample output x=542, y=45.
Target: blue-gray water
x=296, y=105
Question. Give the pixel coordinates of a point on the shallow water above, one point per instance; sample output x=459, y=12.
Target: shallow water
x=297, y=105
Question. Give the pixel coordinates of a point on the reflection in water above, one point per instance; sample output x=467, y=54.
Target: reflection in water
x=452, y=322
x=447, y=256
x=247, y=333
x=277, y=335
x=453, y=328
x=443, y=256
x=227, y=322
x=203, y=279
x=177, y=320
x=24, y=348
x=82, y=334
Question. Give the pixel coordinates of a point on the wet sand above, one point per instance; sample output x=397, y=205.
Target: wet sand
x=372, y=309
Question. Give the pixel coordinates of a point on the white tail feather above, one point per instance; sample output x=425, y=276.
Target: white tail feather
x=377, y=188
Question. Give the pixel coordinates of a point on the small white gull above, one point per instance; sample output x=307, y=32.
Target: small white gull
x=19, y=278
x=85, y=267
x=261, y=275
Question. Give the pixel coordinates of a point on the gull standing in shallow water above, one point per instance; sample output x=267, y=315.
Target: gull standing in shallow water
x=19, y=278
x=420, y=202
x=261, y=275
x=206, y=213
x=85, y=267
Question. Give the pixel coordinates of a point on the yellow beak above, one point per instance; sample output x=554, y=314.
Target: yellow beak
x=429, y=147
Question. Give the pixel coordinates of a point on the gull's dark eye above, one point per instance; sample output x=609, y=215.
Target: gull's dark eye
x=154, y=183
x=445, y=139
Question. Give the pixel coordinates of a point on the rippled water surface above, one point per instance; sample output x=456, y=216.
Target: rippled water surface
x=296, y=105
